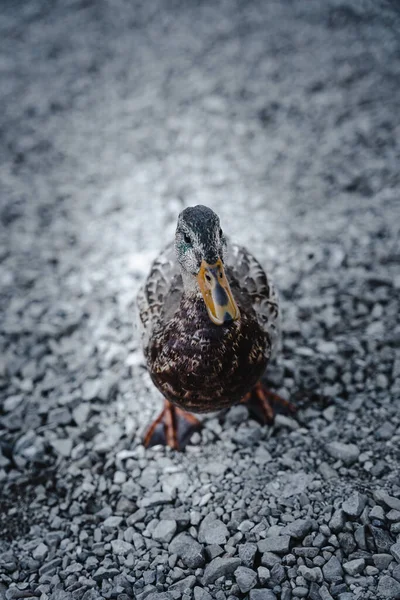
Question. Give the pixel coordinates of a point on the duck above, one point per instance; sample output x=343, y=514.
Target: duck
x=209, y=319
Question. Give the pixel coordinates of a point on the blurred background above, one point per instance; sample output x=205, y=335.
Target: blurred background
x=283, y=116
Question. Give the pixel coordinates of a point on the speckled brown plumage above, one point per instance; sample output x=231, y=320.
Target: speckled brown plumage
x=203, y=367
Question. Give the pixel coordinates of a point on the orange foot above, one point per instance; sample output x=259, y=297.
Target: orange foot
x=262, y=403
x=173, y=427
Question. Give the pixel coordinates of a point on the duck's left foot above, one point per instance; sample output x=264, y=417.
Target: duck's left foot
x=262, y=404
x=173, y=427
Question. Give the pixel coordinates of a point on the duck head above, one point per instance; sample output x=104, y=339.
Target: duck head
x=200, y=248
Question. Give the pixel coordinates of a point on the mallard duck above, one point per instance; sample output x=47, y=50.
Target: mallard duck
x=210, y=323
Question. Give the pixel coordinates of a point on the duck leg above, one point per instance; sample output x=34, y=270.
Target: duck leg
x=262, y=404
x=173, y=427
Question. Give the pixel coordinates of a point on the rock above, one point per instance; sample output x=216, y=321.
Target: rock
x=298, y=529
x=337, y=521
x=300, y=591
x=121, y=548
x=332, y=570
x=348, y=453
x=220, y=567
x=188, y=549
x=155, y=499
x=354, y=567
x=213, y=532
x=165, y=531
x=247, y=553
x=112, y=523
x=382, y=561
x=354, y=505
x=262, y=595
x=183, y=585
x=388, y=587
x=383, y=497
x=201, y=594
x=263, y=575
x=279, y=544
x=40, y=552
x=310, y=574
x=103, y=573
x=395, y=550
x=324, y=593
x=62, y=446
x=382, y=538
x=246, y=579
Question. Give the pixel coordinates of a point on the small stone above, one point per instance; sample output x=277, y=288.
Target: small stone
x=385, y=431
x=348, y=453
x=324, y=593
x=121, y=548
x=247, y=553
x=355, y=504
x=388, y=587
x=112, y=523
x=263, y=575
x=213, y=532
x=188, y=549
x=332, y=570
x=154, y=499
x=165, y=531
x=183, y=585
x=382, y=561
x=220, y=567
x=298, y=529
x=262, y=595
x=246, y=579
x=354, y=567
x=62, y=446
x=383, y=498
x=337, y=521
x=300, y=591
x=395, y=550
x=279, y=544
x=201, y=594
x=40, y=552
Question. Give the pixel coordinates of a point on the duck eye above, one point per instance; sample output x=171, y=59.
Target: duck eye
x=186, y=238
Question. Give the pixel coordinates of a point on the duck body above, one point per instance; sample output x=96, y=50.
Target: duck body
x=202, y=367
x=196, y=364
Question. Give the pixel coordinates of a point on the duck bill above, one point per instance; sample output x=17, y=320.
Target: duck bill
x=215, y=289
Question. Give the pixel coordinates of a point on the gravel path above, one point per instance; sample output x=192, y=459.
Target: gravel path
x=283, y=117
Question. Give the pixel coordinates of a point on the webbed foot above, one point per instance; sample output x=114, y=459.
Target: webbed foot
x=173, y=427
x=262, y=404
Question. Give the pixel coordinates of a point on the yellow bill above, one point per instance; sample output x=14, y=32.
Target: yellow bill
x=217, y=294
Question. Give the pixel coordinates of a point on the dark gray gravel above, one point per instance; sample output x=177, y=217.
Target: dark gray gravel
x=284, y=117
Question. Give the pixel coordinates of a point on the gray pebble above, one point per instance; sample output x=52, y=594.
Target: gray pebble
x=388, y=587
x=188, y=549
x=332, y=570
x=355, y=504
x=278, y=544
x=395, y=550
x=120, y=547
x=165, y=531
x=247, y=553
x=348, y=453
x=246, y=579
x=354, y=567
x=220, y=567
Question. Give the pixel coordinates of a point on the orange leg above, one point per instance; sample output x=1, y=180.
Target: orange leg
x=261, y=403
x=173, y=427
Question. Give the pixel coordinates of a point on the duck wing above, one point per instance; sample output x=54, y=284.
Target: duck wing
x=254, y=290
x=159, y=296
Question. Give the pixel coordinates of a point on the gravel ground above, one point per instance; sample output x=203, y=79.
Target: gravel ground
x=284, y=118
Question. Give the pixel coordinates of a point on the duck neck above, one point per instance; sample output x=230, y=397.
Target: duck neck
x=190, y=285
